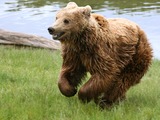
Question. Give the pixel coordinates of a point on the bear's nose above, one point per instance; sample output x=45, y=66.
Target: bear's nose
x=51, y=30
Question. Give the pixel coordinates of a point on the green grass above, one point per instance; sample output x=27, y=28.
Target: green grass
x=28, y=91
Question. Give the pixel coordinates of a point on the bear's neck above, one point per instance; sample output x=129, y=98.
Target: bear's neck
x=85, y=40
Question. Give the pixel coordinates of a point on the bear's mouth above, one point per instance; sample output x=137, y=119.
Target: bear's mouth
x=57, y=35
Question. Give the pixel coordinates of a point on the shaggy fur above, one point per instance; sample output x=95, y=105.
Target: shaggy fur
x=115, y=52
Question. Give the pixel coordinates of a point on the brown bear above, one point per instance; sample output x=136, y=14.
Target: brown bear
x=114, y=51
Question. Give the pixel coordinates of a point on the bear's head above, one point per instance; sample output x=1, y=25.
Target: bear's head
x=70, y=21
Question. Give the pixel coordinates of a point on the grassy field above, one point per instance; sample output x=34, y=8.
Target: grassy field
x=28, y=91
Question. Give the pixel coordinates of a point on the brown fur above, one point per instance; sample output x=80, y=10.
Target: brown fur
x=115, y=52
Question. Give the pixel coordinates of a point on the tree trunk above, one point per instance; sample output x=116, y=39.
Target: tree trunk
x=21, y=39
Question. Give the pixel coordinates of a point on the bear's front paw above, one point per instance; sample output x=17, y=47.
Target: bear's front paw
x=84, y=95
x=66, y=89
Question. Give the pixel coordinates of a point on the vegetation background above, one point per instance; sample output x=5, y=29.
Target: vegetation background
x=28, y=91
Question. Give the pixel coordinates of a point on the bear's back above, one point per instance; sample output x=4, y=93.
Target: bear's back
x=118, y=27
x=121, y=25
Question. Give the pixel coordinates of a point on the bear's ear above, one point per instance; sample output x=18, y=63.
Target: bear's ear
x=87, y=11
x=71, y=5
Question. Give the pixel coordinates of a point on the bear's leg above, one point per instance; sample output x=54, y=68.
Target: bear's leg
x=130, y=76
x=65, y=87
x=120, y=87
x=94, y=87
x=68, y=81
x=115, y=94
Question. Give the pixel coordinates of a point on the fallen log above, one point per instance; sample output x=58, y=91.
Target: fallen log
x=22, y=39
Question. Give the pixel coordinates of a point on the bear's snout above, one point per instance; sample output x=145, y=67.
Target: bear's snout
x=51, y=30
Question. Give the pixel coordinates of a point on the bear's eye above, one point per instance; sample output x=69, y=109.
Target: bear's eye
x=66, y=21
x=56, y=18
